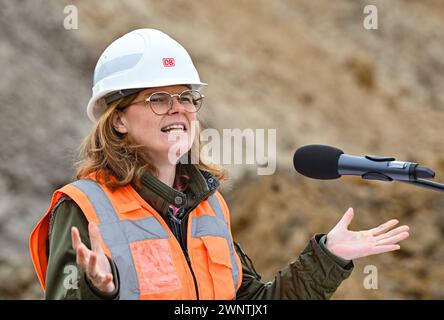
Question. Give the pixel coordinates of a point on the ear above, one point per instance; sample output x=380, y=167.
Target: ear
x=119, y=122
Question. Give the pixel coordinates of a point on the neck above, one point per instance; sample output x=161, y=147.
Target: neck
x=167, y=173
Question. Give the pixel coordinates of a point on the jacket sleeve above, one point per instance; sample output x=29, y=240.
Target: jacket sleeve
x=64, y=279
x=315, y=275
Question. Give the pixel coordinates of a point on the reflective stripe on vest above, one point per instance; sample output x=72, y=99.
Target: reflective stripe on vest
x=216, y=226
x=119, y=234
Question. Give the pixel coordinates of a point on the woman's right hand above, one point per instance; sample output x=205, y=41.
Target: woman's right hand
x=94, y=262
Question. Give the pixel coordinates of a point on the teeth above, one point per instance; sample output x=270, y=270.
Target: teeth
x=174, y=127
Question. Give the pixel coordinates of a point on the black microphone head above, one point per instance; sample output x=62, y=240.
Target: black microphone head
x=317, y=161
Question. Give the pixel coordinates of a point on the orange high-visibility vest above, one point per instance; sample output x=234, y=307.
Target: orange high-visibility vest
x=149, y=258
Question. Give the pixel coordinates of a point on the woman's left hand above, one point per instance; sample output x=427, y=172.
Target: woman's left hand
x=351, y=245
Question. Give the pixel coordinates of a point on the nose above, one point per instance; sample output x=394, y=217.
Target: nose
x=176, y=106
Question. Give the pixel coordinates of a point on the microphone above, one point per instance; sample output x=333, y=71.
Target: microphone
x=325, y=162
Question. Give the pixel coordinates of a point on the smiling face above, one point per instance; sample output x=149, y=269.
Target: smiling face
x=165, y=137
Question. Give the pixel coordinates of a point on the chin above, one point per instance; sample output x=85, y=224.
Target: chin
x=176, y=150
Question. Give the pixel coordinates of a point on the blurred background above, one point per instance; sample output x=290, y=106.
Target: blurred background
x=307, y=68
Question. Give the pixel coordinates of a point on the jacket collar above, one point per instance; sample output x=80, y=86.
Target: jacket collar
x=201, y=184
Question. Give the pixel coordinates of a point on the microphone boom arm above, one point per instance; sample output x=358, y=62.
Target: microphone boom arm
x=426, y=184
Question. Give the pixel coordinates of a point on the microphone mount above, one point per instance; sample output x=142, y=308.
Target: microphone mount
x=420, y=177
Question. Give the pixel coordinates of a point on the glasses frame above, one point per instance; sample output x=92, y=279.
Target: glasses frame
x=178, y=95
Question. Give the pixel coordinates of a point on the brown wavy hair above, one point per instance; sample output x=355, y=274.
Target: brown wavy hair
x=115, y=155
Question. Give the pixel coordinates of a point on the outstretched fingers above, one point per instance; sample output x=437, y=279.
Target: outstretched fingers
x=94, y=235
x=385, y=248
x=82, y=252
x=393, y=232
x=383, y=227
x=347, y=218
x=91, y=269
x=108, y=279
x=91, y=261
x=393, y=239
x=75, y=238
x=82, y=256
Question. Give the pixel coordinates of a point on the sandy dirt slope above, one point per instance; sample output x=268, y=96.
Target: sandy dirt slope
x=306, y=68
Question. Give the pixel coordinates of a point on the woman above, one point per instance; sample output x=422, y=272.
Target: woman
x=142, y=222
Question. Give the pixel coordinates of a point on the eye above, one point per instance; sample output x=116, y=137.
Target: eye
x=186, y=98
x=160, y=98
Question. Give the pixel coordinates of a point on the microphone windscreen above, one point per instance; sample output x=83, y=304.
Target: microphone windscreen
x=317, y=161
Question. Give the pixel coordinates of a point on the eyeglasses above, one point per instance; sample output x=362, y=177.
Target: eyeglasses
x=162, y=102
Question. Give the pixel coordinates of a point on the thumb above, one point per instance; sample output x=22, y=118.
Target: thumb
x=95, y=237
x=347, y=218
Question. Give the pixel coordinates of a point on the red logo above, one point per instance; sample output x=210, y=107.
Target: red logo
x=168, y=62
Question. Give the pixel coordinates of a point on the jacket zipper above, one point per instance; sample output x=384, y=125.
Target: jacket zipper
x=177, y=225
x=181, y=235
x=187, y=257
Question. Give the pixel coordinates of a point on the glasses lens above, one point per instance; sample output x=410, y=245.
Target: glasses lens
x=191, y=100
x=160, y=102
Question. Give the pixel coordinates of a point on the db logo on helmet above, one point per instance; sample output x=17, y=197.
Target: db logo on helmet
x=168, y=62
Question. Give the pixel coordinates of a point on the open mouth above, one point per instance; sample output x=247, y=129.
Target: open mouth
x=174, y=127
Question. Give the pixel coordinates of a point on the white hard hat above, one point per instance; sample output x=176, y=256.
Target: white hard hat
x=142, y=58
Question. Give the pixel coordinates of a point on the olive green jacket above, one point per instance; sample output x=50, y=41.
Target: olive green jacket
x=315, y=274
